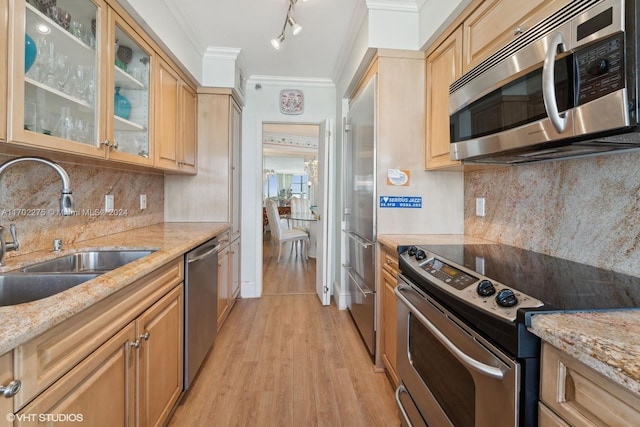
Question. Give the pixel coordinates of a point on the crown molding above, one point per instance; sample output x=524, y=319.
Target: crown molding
x=224, y=53
x=289, y=81
x=394, y=5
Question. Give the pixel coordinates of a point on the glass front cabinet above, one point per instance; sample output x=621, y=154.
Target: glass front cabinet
x=79, y=81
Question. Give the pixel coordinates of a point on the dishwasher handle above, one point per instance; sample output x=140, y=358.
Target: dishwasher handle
x=207, y=254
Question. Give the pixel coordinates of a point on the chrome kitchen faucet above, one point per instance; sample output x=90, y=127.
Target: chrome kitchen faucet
x=66, y=199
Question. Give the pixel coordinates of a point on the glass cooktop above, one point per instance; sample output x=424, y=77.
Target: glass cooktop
x=559, y=283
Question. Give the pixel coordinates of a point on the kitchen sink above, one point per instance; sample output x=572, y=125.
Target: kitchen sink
x=18, y=288
x=87, y=262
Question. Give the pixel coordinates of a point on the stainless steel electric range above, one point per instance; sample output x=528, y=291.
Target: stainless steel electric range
x=465, y=356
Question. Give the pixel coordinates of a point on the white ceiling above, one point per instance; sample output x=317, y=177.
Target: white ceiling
x=249, y=25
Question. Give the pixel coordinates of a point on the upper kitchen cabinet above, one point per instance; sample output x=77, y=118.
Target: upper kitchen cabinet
x=55, y=74
x=4, y=46
x=129, y=110
x=175, y=115
x=444, y=66
x=495, y=23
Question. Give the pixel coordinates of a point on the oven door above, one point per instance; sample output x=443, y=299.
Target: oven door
x=453, y=375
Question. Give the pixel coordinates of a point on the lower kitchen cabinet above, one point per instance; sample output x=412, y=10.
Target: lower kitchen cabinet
x=572, y=393
x=6, y=379
x=97, y=392
x=228, y=276
x=135, y=378
x=388, y=273
x=119, y=362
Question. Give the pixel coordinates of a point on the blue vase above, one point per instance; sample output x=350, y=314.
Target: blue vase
x=122, y=106
x=30, y=52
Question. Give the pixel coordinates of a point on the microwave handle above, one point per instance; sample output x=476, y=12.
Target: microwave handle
x=558, y=120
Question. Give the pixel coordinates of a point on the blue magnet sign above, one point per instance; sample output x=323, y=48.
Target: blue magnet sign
x=401, y=202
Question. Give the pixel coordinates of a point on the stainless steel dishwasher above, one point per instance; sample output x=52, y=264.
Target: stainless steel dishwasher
x=201, y=306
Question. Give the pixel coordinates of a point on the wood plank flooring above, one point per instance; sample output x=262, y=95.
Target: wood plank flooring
x=285, y=360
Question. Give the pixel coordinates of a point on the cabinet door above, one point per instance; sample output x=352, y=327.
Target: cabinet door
x=129, y=98
x=160, y=355
x=57, y=66
x=444, y=66
x=4, y=37
x=389, y=336
x=97, y=392
x=166, y=111
x=495, y=23
x=223, y=285
x=188, y=129
x=234, y=253
x=6, y=376
x=235, y=173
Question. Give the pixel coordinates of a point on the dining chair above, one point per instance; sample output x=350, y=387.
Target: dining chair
x=281, y=235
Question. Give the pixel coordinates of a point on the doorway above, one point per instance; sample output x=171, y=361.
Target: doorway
x=293, y=170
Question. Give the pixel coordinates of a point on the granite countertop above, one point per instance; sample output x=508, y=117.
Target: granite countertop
x=169, y=240
x=394, y=240
x=607, y=341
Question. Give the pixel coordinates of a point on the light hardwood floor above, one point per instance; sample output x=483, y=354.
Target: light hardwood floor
x=285, y=360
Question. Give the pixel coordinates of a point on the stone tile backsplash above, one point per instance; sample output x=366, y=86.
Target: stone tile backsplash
x=30, y=194
x=584, y=209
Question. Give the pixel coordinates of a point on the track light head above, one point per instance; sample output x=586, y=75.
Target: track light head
x=276, y=41
x=295, y=27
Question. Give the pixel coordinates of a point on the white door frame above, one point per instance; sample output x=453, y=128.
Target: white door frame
x=328, y=193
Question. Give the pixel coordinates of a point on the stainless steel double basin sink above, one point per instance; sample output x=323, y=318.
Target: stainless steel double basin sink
x=50, y=277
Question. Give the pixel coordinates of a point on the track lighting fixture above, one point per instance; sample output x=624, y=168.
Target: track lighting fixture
x=295, y=27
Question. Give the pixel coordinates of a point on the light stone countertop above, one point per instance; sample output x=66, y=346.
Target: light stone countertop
x=607, y=341
x=394, y=240
x=21, y=322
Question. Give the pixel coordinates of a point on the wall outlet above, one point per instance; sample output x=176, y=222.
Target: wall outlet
x=143, y=201
x=108, y=203
x=480, y=206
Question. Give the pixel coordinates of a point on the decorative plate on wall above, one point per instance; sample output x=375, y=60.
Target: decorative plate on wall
x=291, y=101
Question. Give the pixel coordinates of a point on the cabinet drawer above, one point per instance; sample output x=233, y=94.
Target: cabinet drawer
x=547, y=418
x=582, y=396
x=390, y=262
x=44, y=359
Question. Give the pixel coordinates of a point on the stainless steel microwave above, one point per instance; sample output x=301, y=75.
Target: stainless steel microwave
x=566, y=87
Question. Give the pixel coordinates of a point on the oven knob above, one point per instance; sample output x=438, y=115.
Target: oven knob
x=597, y=67
x=420, y=255
x=506, y=298
x=485, y=288
x=412, y=251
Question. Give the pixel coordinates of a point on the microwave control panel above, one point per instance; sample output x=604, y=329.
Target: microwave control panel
x=601, y=68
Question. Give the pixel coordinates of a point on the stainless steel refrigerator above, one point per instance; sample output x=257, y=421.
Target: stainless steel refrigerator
x=359, y=214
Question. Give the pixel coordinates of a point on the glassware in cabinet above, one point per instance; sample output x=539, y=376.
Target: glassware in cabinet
x=130, y=95
x=56, y=75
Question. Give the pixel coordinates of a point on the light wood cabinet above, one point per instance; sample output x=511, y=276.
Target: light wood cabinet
x=573, y=393
x=160, y=358
x=6, y=377
x=175, y=111
x=137, y=373
x=4, y=48
x=78, y=356
x=444, y=66
x=224, y=297
x=388, y=273
x=91, y=98
x=100, y=391
x=495, y=23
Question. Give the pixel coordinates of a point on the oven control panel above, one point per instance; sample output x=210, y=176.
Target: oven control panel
x=469, y=286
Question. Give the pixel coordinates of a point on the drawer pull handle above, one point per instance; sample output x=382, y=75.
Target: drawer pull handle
x=11, y=389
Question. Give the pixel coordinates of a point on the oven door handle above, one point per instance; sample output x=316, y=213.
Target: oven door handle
x=490, y=371
x=402, y=389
